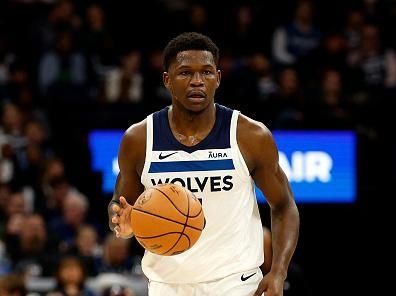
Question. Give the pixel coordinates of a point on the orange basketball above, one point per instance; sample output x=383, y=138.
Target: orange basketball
x=167, y=219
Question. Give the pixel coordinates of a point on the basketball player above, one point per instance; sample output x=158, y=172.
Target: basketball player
x=218, y=154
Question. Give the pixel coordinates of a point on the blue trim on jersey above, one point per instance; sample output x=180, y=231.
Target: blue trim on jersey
x=191, y=166
x=218, y=137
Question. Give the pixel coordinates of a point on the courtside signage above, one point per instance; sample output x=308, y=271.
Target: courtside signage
x=320, y=165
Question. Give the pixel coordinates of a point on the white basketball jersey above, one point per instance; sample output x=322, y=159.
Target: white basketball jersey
x=215, y=171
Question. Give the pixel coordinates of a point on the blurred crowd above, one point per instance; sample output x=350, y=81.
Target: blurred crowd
x=293, y=65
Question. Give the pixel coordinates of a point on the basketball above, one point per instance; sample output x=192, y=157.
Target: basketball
x=167, y=219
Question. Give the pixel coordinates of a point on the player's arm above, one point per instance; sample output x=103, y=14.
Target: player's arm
x=128, y=187
x=261, y=156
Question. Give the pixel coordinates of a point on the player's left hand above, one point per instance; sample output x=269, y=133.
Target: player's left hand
x=271, y=284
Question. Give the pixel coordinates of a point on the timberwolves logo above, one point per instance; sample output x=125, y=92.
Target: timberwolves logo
x=200, y=184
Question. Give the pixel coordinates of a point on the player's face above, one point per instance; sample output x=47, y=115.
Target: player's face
x=192, y=79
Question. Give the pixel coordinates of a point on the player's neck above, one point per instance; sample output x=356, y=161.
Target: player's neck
x=191, y=124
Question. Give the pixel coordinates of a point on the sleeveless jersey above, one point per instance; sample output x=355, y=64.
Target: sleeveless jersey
x=215, y=171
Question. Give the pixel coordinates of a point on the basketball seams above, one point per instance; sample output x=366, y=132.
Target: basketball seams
x=155, y=236
x=185, y=223
x=181, y=234
x=195, y=216
x=165, y=218
x=171, y=201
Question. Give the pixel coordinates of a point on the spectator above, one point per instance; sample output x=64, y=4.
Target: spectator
x=63, y=72
x=331, y=108
x=12, y=285
x=87, y=249
x=60, y=17
x=12, y=142
x=53, y=197
x=299, y=39
x=70, y=279
x=98, y=42
x=116, y=256
x=7, y=58
x=16, y=204
x=242, y=36
x=154, y=89
x=227, y=92
x=266, y=84
x=333, y=52
x=198, y=19
x=125, y=83
x=74, y=211
x=376, y=64
x=5, y=192
x=30, y=251
x=289, y=103
x=353, y=30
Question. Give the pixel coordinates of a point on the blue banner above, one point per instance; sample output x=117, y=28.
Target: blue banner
x=320, y=165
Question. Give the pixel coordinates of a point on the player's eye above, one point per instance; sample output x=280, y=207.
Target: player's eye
x=185, y=73
x=207, y=72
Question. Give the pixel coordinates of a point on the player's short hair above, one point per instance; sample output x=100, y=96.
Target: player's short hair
x=188, y=41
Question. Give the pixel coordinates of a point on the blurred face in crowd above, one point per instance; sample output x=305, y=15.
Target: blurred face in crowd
x=86, y=240
x=33, y=234
x=355, y=20
x=198, y=16
x=260, y=64
x=54, y=168
x=131, y=62
x=70, y=272
x=34, y=154
x=192, y=80
x=12, y=285
x=95, y=16
x=332, y=82
x=19, y=76
x=370, y=39
x=64, y=9
x=74, y=210
x=335, y=44
x=288, y=82
x=16, y=204
x=155, y=60
x=64, y=43
x=304, y=12
x=59, y=188
x=226, y=64
x=5, y=192
x=116, y=250
x=244, y=16
x=12, y=118
x=15, y=224
x=35, y=133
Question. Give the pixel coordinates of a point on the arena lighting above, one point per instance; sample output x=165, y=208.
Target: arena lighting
x=320, y=165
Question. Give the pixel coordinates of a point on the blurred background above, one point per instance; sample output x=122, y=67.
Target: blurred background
x=75, y=74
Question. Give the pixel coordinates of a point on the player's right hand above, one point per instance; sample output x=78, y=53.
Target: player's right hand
x=121, y=218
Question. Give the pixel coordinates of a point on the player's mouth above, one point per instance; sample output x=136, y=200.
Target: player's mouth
x=196, y=96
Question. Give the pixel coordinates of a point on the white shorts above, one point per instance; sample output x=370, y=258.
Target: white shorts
x=238, y=284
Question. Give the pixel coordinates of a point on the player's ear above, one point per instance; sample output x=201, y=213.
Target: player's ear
x=165, y=79
x=218, y=78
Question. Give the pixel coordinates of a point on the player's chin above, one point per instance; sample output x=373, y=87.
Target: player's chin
x=196, y=104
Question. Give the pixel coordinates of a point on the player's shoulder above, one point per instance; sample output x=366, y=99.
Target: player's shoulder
x=252, y=129
x=136, y=133
x=256, y=142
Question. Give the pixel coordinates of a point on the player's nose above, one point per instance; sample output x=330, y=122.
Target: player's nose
x=196, y=79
